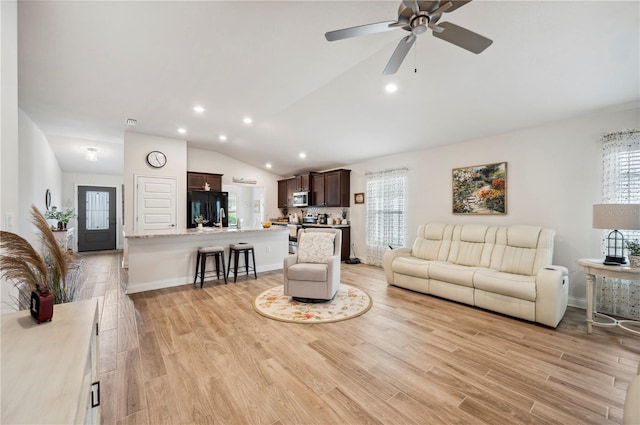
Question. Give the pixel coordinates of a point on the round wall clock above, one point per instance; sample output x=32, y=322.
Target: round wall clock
x=156, y=159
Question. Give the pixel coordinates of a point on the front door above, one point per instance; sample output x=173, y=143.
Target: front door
x=96, y=218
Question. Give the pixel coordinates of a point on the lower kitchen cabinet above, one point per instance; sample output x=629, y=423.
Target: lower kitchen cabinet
x=50, y=370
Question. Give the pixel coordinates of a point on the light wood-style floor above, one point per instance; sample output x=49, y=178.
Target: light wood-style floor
x=189, y=355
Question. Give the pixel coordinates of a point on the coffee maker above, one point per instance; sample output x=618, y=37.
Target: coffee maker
x=322, y=218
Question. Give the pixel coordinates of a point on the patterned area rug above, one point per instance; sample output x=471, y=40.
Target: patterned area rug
x=348, y=303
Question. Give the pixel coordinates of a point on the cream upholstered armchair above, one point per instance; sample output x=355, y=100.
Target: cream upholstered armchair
x=312, y=274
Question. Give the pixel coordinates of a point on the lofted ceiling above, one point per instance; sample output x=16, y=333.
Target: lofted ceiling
x=84, y=67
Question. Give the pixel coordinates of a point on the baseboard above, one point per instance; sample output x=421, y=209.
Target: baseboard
x=577, y=302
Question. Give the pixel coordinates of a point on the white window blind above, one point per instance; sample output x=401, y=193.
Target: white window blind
x=386, y=196
x=621, y=185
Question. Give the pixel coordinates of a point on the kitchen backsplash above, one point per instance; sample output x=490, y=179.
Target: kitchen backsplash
x=332, y=212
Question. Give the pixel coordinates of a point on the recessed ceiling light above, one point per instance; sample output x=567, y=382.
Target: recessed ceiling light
x=391, y=88
x=302, y=155
x=268, y=165
x=222, y=138
x=182, y=130
x=199, y=109
x=247, y=120
x=91, y=154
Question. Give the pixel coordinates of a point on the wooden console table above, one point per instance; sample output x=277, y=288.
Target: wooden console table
x=594, y=268
x=49, y=370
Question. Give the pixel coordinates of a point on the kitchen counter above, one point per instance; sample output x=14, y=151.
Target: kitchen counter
x=204, y=231
x=330, y=226
x=163, y=260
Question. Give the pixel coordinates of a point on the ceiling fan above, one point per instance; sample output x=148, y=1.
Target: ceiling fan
x=416, y=17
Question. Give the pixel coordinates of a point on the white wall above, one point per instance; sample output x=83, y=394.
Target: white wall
x=70, y=183
x=136, y=148
x=39, y=171
x=553, y=179
x=211, y=162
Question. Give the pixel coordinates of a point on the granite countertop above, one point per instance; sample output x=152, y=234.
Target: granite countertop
x=280, y=223
x=206, y=231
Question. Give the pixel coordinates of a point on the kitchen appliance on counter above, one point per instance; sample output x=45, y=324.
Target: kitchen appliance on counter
x=309, y=219
x=301, y=199
x=322, y=218
x=212, y=206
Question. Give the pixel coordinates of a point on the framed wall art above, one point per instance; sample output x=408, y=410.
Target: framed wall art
x=480, y=189
x=358, y=198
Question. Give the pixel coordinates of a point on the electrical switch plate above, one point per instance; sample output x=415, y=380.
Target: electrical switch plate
x=9, y=221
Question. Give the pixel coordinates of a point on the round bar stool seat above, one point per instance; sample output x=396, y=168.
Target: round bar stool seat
x=201, y=261
x=234, y=253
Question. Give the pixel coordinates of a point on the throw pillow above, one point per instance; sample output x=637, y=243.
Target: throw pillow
x=315, y=247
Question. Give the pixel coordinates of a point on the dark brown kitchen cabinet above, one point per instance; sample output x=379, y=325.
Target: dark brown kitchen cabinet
x=282, y=194
x=337, y=186
x=197, y=181
x=303, y=182
x=317, y=190
x=346, y=243
x=291, y=189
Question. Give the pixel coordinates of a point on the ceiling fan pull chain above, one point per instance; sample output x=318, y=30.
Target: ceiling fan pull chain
x=415, y=58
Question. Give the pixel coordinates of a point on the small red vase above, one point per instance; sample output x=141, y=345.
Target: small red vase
x=42, y=305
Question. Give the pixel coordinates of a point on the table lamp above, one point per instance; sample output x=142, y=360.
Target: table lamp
x=617, y=217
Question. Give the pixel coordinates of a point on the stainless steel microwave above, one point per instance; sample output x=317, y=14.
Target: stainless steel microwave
x=301, y=199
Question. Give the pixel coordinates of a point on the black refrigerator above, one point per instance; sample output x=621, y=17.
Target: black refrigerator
x=213, y=206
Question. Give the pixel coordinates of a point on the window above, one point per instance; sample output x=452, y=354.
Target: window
x=386, y=195
x=621, y=185
x=233, y=210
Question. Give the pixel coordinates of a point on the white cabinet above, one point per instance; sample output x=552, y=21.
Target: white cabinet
x=49, y=370
x=65, y=238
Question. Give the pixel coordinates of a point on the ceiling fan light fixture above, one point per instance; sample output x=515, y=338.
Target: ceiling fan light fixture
x=419, y=25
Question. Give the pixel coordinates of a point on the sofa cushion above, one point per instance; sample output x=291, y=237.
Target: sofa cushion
x=315, y=247
x=523, y=236
x=432, y=242
x=508, y=284
x=453, y=273
x=471, y=245
x=308, y=271
x=411, y=266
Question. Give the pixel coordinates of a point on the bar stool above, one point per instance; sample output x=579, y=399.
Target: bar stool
x=234, y=252
x=201, y=262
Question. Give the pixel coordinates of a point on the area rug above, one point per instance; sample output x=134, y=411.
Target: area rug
x=348, y=303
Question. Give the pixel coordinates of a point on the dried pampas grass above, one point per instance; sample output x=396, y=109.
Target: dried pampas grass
x=21, y=264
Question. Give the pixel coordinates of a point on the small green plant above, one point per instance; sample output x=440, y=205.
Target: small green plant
x=633, y=247
x=345, y=212
x=200, y=220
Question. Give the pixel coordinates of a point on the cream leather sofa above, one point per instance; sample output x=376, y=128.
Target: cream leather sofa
x=631, y=414
x=503, y=269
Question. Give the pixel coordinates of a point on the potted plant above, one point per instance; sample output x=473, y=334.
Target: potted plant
x=62, y=217
x=345, y=213
x=200, y=220
x=45, y=276
x=634, y=253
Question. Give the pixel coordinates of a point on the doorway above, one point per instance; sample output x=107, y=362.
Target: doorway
x=96, y=218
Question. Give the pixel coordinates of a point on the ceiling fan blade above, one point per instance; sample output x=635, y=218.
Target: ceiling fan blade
x=444, y=8
x=399, y=54
x=457, y=4
x=462, y=37
x=413, y=5
x=361, y=30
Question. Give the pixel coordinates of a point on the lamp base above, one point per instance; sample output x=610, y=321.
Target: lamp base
x=614, y=261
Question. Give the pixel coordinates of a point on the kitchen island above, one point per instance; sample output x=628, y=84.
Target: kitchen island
x=164, y=260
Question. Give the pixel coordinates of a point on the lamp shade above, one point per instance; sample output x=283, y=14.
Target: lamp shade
x=616, y=216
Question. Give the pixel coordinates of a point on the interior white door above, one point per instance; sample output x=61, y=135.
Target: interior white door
x=156, y=204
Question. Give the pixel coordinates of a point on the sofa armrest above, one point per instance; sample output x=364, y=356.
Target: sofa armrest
x=333, y=269
x=288, y=261
x=388, y=258
x=552, y=294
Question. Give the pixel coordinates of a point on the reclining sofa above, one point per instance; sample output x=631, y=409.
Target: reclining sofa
x=504, y=269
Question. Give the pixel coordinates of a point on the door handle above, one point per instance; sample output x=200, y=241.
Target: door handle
x=172, y=225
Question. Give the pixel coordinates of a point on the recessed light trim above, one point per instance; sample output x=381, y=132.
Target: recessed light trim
x=199, y=109
x=182, y=130
x=222, y=137
x=302, y=155
x=268, y=165
x=247, y=120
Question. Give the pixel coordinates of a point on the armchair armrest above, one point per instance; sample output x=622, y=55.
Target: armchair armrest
x=552, y=294
x=388, y=258
x=288, y=261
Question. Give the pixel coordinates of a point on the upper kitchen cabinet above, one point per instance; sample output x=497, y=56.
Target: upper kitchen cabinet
x=337, y=187
x=282, y=194
x=317, y=190
x=198, y=181
x=303, y=183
